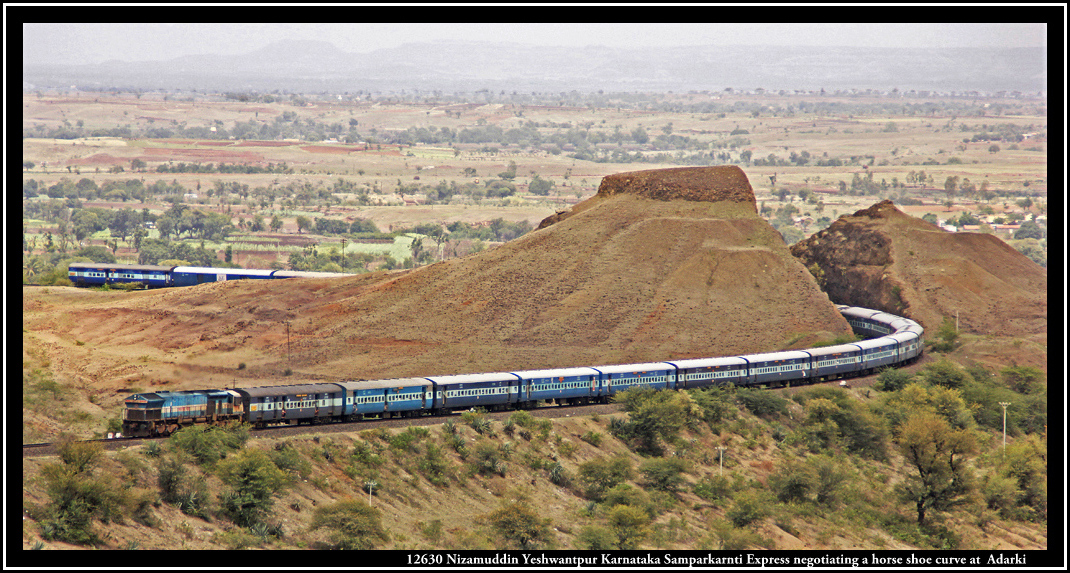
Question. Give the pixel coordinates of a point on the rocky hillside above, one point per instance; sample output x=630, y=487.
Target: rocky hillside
x=882, y=258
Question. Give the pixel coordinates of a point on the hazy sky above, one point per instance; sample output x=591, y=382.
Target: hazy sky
x=84, y=43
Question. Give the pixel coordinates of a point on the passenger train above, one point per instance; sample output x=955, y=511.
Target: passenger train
x=898, y=341
x=156, y=276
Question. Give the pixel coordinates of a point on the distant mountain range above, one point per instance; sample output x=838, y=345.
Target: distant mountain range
x=469, y=66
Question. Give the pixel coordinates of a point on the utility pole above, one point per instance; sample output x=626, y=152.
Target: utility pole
x=1004, y=404
x=288, y=363
x=722, y=458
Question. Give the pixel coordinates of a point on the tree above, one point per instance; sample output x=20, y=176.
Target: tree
x=629, y=525
x=947, y=336
x=938, y=453
x=510, y=172
x=520, y=524
x=1029, y=230
x=951, y=185
x=540, y=186
x=303, y=223
x=353, y=524
x=276, y=223
x=1024, y=379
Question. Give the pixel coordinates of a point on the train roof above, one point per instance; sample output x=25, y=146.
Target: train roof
x=903, y=336
x=858, y=311
x=223, y=271
x=474, y=378
x=310, y=274
x=876, y=342
x=643, y=367
x=915, y=328
x=289, y=390
x=709, y=362
x=556, y=372
x=837, y=349
x=765, y=357
x=119, y=266
x=380, y=384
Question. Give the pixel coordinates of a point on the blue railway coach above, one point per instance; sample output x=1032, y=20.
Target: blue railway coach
x=96, y=274
x=835, y=361
x=292, y=404
x=777, y=367
x=878, y=352
x=562, y=385
x=388, y=398
x=190, y=276
x=494, y=391
x=702, y=372
x=620, y=377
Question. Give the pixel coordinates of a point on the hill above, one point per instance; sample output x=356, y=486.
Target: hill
x=882, y=258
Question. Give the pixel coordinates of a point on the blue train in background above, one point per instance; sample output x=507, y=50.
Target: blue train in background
x=155, y=276
x=898, y=341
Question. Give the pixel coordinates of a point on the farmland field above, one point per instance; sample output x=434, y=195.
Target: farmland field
x=495, y=166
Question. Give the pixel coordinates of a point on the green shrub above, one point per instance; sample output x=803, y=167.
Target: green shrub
x=595, y=538
x=593, y=438
x=654, y=417
x=761, y=402
x=209, y=444
x=76, y=497
x=287, y=458
x=944, y=373
x=792, y=482
x=664, y=474
x=713, y=488
x=599, y=475
x=488, y=459
x=946, y=337
x=715, y=403
x=254, y=481
x=353, y=524
x=520, y=525
x=1024, y=379
x=749, y=506
x=629, y=525
x=434, y=466
x=624, y=494
x=892, y=379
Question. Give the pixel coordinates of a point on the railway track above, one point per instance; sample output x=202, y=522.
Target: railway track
x=50, y=449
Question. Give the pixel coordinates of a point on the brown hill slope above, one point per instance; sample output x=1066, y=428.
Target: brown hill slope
x=624, y=278
x=882, y=258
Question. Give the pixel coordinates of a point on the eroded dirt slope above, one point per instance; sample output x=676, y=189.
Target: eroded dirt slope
x=882, y=258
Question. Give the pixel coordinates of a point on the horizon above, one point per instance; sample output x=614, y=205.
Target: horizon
x=92, y=43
